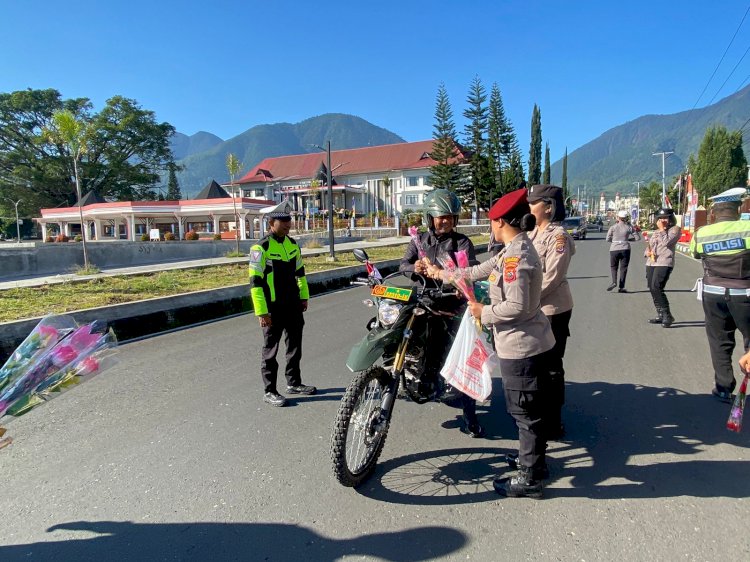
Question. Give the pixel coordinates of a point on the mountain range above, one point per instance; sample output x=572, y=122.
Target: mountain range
x=624, y=154
x=203, y=155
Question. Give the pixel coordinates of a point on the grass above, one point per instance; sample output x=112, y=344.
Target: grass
x=30, y=302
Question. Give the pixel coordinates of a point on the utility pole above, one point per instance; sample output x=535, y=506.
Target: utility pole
x=18, y=224
x=638, y=201
x=663, y=176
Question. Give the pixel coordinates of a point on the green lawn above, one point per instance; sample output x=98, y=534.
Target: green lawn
x=16, y=304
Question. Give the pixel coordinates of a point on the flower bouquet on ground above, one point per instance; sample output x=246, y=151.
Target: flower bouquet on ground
x=55, y=363
x=734, y=423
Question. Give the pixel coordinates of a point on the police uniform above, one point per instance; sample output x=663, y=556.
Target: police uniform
x=724, y=249
x=522, y=334
x=619, y=235
x=277, y=287
x=659, y=267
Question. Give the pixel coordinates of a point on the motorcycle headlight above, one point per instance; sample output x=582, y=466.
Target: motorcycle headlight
x=388, y=313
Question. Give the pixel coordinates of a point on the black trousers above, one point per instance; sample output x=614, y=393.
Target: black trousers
x=288, y=323
x=525, y=383
x=656, y=279
x=556, y=384
x=724, y=315
x=619, y=258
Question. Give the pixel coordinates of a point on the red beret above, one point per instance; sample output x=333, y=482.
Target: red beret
x=506, y=203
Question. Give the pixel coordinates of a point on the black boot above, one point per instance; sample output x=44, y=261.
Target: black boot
x=666, y=318
x=522, y=485
x=541, y=473
x=659, y=317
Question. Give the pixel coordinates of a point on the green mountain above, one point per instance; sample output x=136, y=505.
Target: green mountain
x=280, y=139
x=183, y=145
x=624, y=154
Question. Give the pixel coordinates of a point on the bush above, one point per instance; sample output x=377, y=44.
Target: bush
x=49, y=239
x=217, y=236
x=169, y=236
x=61, y=238
x=78, y=238
x=144, y=237
x=191, y=235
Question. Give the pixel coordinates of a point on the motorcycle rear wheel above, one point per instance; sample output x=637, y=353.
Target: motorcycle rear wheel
x=360, y=430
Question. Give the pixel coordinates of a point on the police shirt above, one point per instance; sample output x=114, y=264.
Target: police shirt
x=555, y=248
x=619, y=234
x=277, y=274
x=724, y=249
x=662, y=244
x=520, y=328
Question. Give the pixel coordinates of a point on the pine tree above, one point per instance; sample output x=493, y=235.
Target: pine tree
x=479, y=182
x=535, y=148
x=565, y=174
x=547, y=174
x=447, y=172
x=513, y=175
x=721, y=162
x=173, y=188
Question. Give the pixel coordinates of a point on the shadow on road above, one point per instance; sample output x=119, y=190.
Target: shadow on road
x=126, y=541
x=621, y=440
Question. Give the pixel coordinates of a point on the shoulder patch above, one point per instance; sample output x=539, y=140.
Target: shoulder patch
x=560, y=243
x=255, y=256
x=510, y=264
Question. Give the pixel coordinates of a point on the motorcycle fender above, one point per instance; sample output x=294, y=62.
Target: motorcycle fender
x=370, y=348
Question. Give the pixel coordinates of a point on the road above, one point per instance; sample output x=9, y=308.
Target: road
x=172, y=455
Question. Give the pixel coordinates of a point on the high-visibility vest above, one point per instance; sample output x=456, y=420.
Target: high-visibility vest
x=276, y=267
x=724, y=249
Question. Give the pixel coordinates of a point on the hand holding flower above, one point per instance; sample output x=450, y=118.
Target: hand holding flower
x=476, y=309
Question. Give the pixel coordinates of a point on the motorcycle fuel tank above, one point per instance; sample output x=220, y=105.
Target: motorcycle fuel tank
x=371, y=347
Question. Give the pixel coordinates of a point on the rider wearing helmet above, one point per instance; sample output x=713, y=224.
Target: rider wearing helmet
x=440, y=214
x=659, y=256
x=619, y=235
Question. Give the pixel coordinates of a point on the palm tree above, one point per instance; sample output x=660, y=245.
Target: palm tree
x=72, y=133
x=233, y=167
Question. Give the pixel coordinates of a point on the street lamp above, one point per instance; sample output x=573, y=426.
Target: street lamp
x=332, y=253
x=638, y=201
x=18, y=225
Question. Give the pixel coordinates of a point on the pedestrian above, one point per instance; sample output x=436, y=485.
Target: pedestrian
x=724, y=249
x=278, y=288
x=441, y=209
x=555, y=248
x=659, y=256
x=523, y=337
x=620, y=234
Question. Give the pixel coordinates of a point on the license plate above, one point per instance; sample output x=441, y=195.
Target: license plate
x=395, y=293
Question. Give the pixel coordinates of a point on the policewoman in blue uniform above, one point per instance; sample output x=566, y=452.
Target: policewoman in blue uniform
x=523, y=336
x=278, y=288
x=724, y=249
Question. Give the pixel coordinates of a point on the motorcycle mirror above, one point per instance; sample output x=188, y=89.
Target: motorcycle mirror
x=360, y=255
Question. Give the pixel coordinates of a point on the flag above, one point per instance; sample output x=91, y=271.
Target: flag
x=373, y=271
x=667, y=202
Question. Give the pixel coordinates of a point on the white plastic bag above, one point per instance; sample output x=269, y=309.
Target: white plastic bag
x=471, y=360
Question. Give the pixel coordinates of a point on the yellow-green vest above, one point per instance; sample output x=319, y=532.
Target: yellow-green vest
x=724, y=249
x=273, y=266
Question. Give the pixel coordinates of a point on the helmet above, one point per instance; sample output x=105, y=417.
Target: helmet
x=623, y=215
x=666, y=213
x=438, y=203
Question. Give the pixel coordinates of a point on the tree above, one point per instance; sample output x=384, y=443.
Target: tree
x=233, y=167
x=480, y=180
x=72, y=133
x=565, y=174
x=501, y=139
x=173, y=188
x=546, y=178
x=535, y=148
x=650, y=199
x=127, y=149
x=447, y=172
x=721, y=162
x=513, y=176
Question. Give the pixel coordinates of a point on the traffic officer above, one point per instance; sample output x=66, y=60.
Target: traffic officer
x=724, y=249
x=522, y=336
x=441, y=209
x=555, y=248
x=620, y=234
x=278, y=288
x=659, y=256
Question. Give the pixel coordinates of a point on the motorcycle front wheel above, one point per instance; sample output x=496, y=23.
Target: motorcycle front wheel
x=361, y=427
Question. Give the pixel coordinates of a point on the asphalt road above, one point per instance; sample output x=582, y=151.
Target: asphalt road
x=172, y=455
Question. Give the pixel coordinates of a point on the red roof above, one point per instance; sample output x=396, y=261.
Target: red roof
x=403, y=156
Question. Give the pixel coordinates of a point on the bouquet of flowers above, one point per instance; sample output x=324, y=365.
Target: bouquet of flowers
x=53, y=361
x=414, y=233
x=734, y=423
x=454, y=275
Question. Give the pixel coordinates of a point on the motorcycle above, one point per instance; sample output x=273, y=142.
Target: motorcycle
x=389, y=363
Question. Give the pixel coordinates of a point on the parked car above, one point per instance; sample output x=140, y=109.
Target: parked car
x=576, y=227
x=596, y=225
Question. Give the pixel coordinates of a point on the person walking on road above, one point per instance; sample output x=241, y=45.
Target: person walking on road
x=724, y=249
x=441, y=210
x=278, y=288
x=523, y=336
x=555, y=248
x=659, y=256
x=620, y=234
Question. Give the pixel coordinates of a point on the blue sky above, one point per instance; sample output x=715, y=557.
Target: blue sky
x=227, y=65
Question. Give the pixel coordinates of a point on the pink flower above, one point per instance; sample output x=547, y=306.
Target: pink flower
x=63, y=355
x=47, y=332
x=88, y=366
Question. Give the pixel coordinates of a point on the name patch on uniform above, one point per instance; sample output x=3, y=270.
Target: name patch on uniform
x=510, y=264
x=560, y=243
x=492, y=278
x=723, y=245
